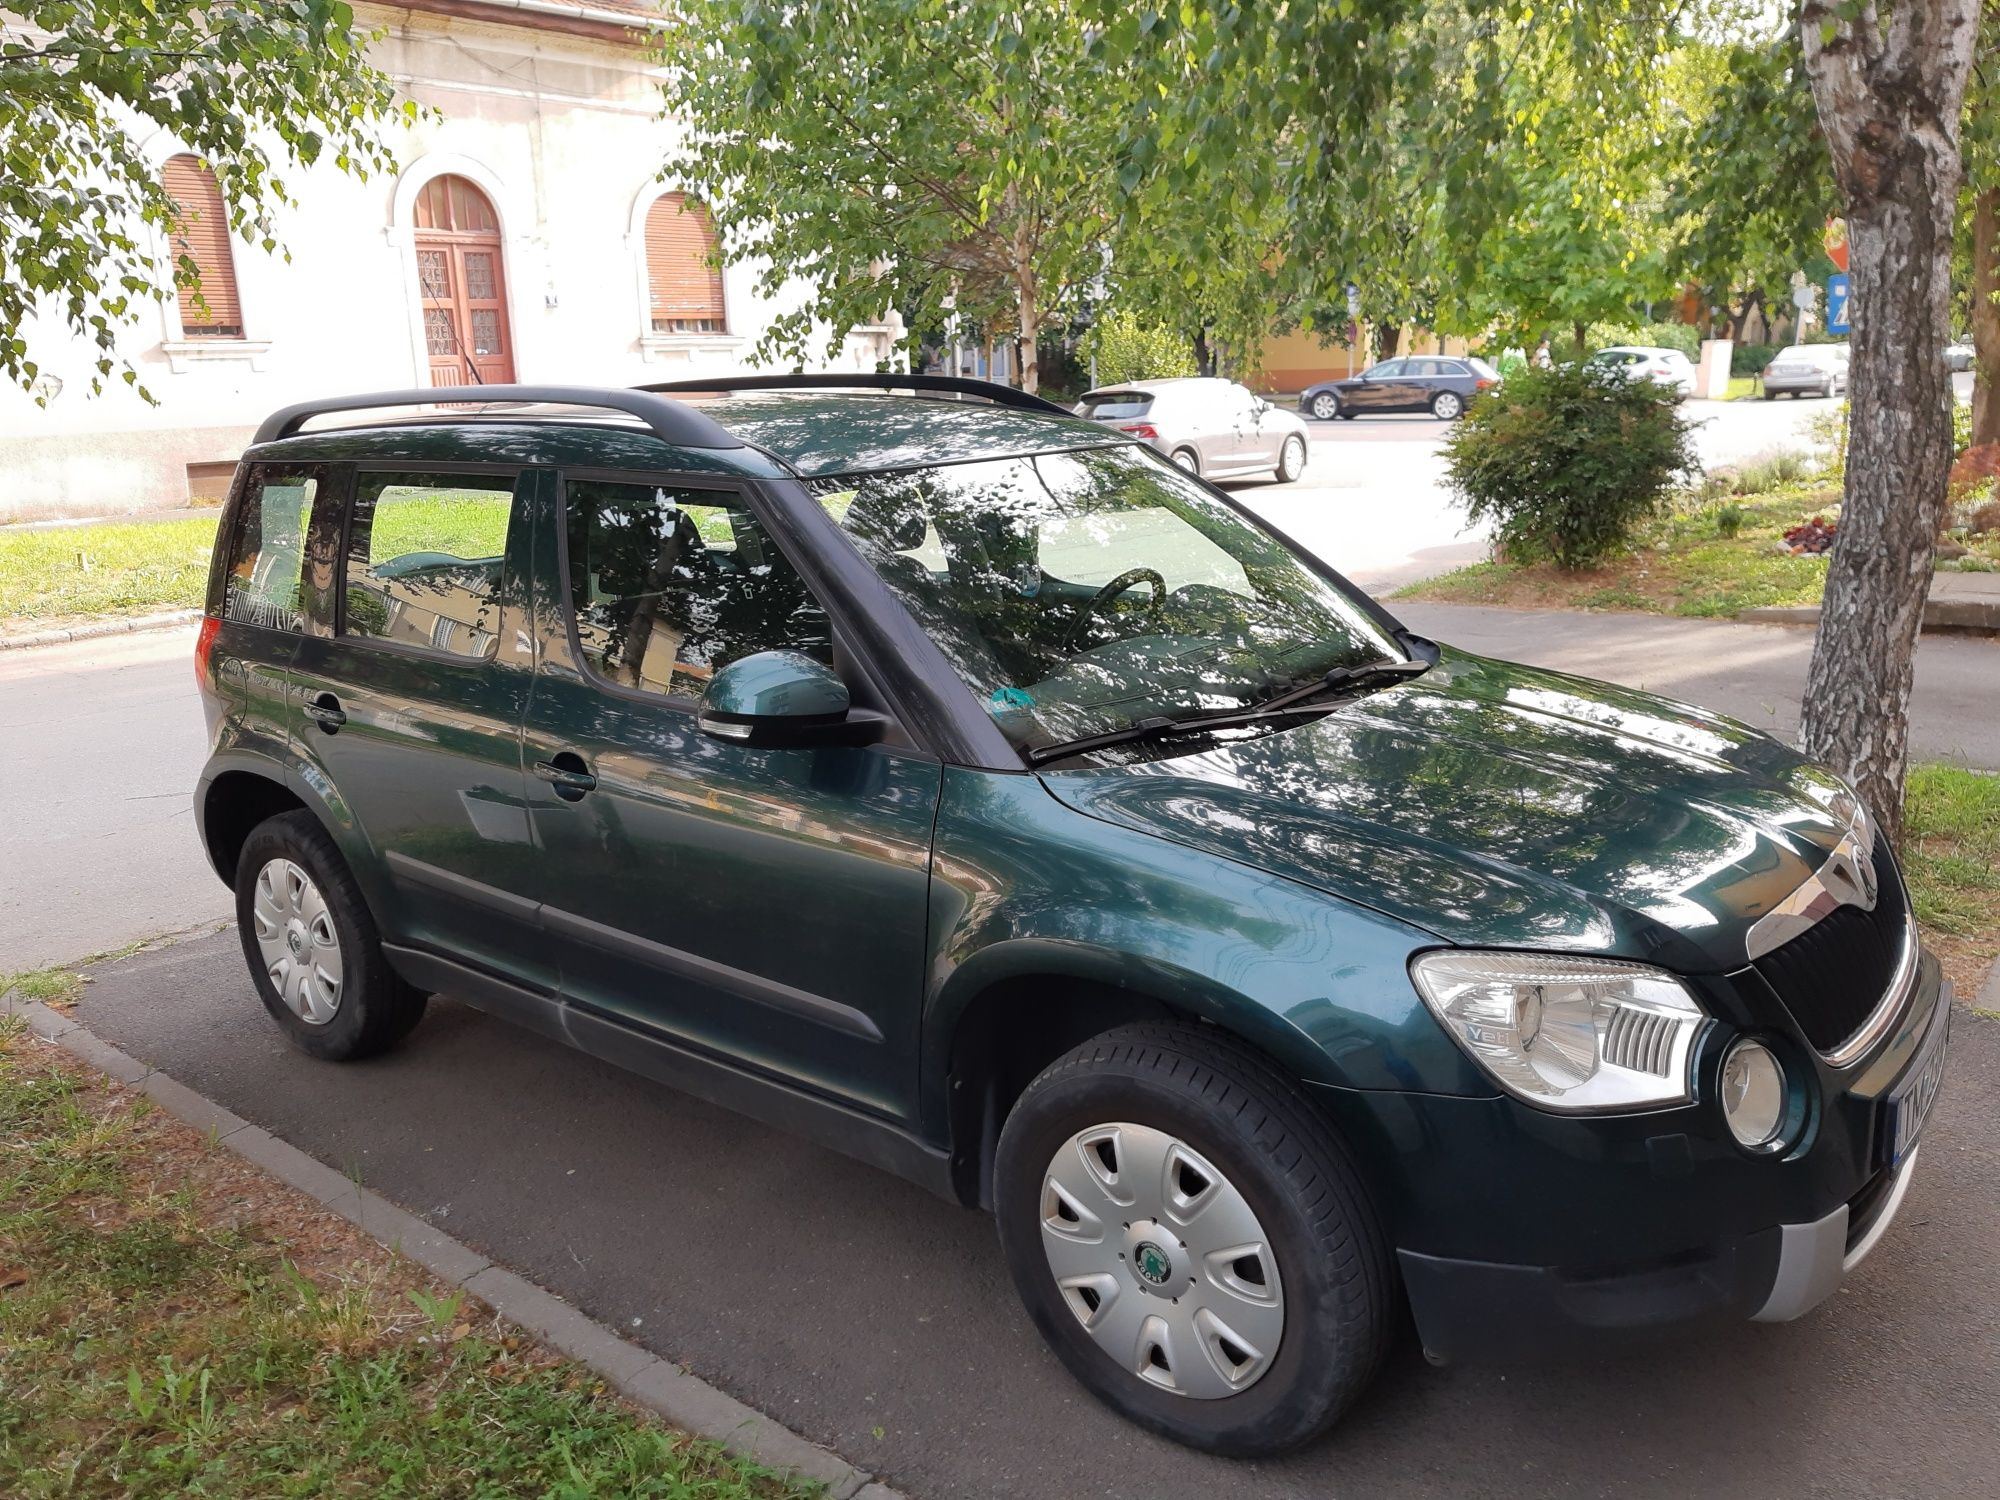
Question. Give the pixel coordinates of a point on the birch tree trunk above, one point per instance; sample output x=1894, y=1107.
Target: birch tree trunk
x=1986, y=316
x=1888, y=96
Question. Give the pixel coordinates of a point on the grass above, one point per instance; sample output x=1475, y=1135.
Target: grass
x=112, y=568
x=172, y=1322
x=1951, y=854
x=1707, y=561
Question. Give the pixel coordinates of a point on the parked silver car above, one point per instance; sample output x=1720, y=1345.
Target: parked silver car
x=1215, y=428
x=1807, y=370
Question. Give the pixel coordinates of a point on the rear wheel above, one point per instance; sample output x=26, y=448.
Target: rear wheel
x=1447, y=406
x=1291, y=459
x=1187, y=459
x=312, y=946
x=1192, y=1239
x=1326, y=406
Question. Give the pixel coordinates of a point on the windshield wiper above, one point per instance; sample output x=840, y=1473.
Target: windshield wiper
x=1290, y=701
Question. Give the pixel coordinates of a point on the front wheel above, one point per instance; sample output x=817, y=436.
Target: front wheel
x=1447, y=406
x=1326, y=406
x=1291, y=459
x=1192, y=1239
x=312, y=947
x=1187, y=460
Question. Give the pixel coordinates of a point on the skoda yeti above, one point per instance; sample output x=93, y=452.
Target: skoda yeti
x=916, y=767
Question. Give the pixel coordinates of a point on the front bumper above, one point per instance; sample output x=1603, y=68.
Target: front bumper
x=1552, y=1236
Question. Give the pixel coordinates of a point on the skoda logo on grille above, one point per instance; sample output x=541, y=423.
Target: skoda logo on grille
x=1152, y=1263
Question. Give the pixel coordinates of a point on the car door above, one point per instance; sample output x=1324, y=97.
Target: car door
x=1257, y=432
x=1382, y=388
x=411, y=695
x=767, y=907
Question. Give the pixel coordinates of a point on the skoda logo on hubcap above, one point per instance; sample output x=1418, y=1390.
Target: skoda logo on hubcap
x=1152, y=1263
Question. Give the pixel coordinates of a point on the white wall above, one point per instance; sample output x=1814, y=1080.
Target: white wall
x=564, y=136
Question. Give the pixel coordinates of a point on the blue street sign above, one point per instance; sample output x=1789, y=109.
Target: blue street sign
x=1836, y=302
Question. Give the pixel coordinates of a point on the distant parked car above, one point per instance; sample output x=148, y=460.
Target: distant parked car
x=1668, y=367
x=1958, y=357
x=1211, y=427
x=1807, y=370
x=1437, y=383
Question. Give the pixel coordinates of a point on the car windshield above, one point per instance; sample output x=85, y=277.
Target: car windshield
x=1080, y=593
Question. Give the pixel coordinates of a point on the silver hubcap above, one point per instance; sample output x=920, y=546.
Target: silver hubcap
x=1447, y=407
x=1324, y=407
x=1294, y=458
x=1162, y=1261
x=295, y=934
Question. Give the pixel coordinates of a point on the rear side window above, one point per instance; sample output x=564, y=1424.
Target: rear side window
x=669, y=584
x=267, y=561
x=1111, y=405
x=426, y=555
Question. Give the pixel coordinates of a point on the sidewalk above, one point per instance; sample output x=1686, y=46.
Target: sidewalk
x=1755, y=673
x=1958, y=601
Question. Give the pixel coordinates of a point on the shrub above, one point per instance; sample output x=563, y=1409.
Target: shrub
x=1770, y=472
x=1126, y=349
x=1566, y=462
x=1750, y=359
x=1729, y=519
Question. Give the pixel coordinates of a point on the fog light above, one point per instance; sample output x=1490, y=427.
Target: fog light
x=1753, y=1094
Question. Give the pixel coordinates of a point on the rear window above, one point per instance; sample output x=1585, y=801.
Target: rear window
x=424, y=560
x=1111, y=405
x=1483, y=369
x=1799, y=351
x=267, y=560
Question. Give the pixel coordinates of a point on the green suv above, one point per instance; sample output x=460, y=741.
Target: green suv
x=909, y=764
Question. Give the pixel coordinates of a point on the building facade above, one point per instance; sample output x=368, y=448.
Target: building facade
x=526, y=236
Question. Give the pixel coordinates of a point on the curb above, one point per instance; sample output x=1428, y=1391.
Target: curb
x=163, y=621
x=642, y=1377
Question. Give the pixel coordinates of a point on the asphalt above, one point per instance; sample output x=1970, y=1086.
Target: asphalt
x=880, y=1322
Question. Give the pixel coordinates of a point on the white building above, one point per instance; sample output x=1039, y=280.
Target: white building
x=512, y=245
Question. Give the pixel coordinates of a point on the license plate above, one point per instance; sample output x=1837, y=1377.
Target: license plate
x=1911, y=1099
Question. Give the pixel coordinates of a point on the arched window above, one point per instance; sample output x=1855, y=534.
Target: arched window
x=212, y=310
x=683, y=271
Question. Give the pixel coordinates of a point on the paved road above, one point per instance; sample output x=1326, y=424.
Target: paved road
x=100, y=743
x=844, y=1302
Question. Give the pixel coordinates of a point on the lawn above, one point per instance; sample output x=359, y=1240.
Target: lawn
x=1714, y=559
x=112, y=568
x=1951, y=853
x=173, y=1322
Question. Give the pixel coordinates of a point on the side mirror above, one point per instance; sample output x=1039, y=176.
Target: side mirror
x=782, y=700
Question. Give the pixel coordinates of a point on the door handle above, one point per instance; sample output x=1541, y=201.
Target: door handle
x=568, y=774
x=324, y=710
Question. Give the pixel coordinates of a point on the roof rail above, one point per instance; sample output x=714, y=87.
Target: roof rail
x=999, y=395
x=671, y=421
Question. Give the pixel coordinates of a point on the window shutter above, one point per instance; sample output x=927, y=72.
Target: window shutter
x=203, y=236
x=682, y=273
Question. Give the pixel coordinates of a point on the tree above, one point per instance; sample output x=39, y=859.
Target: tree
x=914, y=153
x=84, y=217
x=1889, y=93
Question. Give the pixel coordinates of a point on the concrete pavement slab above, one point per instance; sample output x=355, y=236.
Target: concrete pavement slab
x=847, y=1304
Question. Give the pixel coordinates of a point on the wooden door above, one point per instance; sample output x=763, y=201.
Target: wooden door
x=462, y=282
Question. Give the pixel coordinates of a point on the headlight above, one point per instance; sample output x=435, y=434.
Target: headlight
x=1566, y=1033
x=1753, y=1094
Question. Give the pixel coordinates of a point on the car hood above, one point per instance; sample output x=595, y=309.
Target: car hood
x=1495, y=804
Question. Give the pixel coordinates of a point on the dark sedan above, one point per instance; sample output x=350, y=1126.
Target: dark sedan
x=1440, y=384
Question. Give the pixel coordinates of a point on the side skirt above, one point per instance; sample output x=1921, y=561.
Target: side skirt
x=823, y=1121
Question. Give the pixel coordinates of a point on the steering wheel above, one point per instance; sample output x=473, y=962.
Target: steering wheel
x=1129, y=579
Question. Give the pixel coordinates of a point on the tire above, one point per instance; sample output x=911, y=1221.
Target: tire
x=1186, y=460
x=1447, y=406
x=295, y=898
x=1326, y=406
x=1229, y=1111
x=1770, y=395
x=1291, y=459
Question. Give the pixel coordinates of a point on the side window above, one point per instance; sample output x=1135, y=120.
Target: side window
x=268, y=558
x=1393, y=369
x=426, y=558
x=668, y=584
